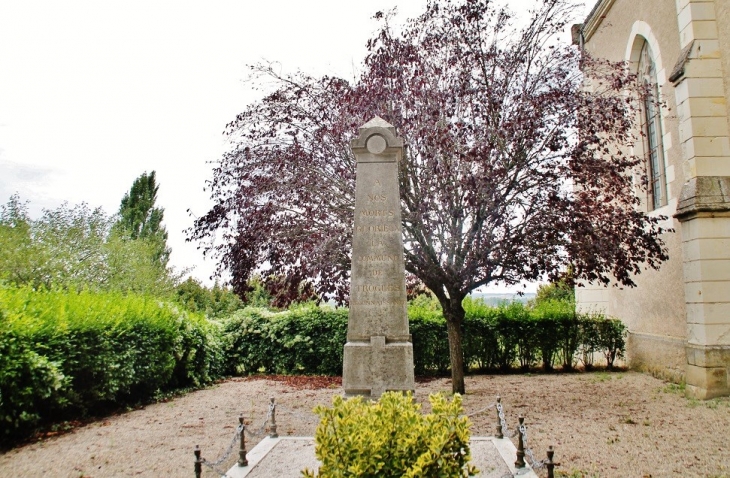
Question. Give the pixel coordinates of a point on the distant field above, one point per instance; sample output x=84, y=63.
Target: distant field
x=496, y=299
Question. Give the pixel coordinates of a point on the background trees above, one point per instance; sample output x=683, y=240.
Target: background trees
x=140, y=219
x=508, y=175
x=80, y=247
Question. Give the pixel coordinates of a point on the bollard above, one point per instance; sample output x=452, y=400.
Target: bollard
x=198, y=462
x=550, y=464
x=499, y=419
x=272, y=429
x=242, y=461
x=520, y=463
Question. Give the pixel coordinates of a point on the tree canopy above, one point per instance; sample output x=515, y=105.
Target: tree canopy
x=140, y=219
x=514, y=167
x=77, y=247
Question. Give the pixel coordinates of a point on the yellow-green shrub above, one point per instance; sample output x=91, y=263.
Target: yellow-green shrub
x=392, y=438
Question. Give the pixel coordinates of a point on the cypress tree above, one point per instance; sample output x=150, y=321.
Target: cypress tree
x=140, y=219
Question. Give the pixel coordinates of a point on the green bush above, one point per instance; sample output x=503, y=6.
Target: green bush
x=27, y=382
x=611, y=338
x=304, y=339
x=428, y=331
x=391, y=438
x=67, y=353
x=481, y=341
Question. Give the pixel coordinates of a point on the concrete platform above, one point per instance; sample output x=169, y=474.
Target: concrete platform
x=285, y=457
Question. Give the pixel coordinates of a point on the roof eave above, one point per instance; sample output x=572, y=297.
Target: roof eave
x=595, y=18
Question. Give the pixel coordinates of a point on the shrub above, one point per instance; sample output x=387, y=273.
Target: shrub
x=430, y=345
x=304, y=339
x=611, y=338
x=27, y=382
x=67, y=353
x=559, y=334
x=589, y=341
x=391, y=438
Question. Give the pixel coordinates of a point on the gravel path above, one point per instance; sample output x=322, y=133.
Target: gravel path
x=601, y=424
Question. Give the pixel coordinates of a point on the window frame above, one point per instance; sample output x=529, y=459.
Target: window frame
x=651, y=131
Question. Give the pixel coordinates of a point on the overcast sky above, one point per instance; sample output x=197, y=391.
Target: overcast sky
x=94, y=93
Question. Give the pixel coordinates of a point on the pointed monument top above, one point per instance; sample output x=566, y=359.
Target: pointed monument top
x=380, y=128
x=376, y=122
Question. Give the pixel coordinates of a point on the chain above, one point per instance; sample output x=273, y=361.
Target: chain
x=535, y=464
x=485, y=409
x=503, y=422
x=213, y=465
x=259, y=432
x=296, y=413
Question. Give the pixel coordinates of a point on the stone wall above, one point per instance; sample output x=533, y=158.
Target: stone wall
x=654, y=311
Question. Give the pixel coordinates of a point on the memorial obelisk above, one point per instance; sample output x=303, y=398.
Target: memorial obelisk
x=378, y=354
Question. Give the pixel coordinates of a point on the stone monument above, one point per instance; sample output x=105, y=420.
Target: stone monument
x=378, y=354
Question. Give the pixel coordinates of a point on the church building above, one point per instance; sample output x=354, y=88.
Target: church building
x=679, y=316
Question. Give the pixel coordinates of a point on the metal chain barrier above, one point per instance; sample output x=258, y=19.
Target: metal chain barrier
x=261, y=431
x=502, y=432
x=485, y=409
x=534, y=463
x=503, y=422
x=213, y=465
x=523, y=450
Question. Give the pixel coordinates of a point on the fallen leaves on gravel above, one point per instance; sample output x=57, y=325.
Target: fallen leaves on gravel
x=301, y=382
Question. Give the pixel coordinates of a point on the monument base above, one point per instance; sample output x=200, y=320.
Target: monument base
x=285, y=457
x=372, y=368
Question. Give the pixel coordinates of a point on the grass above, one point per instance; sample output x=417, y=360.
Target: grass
x=691, y=402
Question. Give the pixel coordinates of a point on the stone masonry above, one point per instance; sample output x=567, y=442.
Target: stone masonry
x=378, y=354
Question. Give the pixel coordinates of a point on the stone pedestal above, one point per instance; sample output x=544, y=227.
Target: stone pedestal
x=378, y=355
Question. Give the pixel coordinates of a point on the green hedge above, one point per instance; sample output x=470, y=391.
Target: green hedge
x=515, y=335
x=302, y=340
x=67, y=353
x=310, y=340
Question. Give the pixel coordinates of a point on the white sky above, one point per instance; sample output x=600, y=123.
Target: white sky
x=94, y=93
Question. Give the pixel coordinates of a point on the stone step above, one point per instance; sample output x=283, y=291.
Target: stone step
x=285, y=457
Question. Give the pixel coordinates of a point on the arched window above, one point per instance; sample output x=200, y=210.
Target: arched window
x=652, y=131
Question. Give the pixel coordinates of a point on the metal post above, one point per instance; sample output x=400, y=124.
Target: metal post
x=242, y=461
x=198, y=462
x=520, y=463
x=499, y=419
x=272, y=430
x=550, y=464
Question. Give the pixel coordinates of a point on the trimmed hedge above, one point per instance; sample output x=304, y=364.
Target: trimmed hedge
x=309, y=340
x=515, y=335
x=67, y=353
x=302, y=340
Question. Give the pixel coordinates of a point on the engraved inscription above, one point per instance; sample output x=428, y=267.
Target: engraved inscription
x=376, y=198
x=378, y=258
x=378, y=288
x=377, y=213
x=376, y=228
x=374, y=302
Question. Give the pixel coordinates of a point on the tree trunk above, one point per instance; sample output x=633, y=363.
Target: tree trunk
x=454, y=315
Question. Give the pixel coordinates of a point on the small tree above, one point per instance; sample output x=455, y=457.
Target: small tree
x=18, y=257
x=77, y=246
x=560, y=290
x=139, y=217
x=497, y=184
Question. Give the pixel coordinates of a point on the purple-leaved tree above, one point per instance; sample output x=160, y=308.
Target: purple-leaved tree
x=514, y=168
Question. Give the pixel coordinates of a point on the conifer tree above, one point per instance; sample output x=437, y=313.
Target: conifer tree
x=140, y=219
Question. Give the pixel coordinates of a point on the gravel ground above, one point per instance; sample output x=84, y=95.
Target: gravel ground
x=601, y=424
